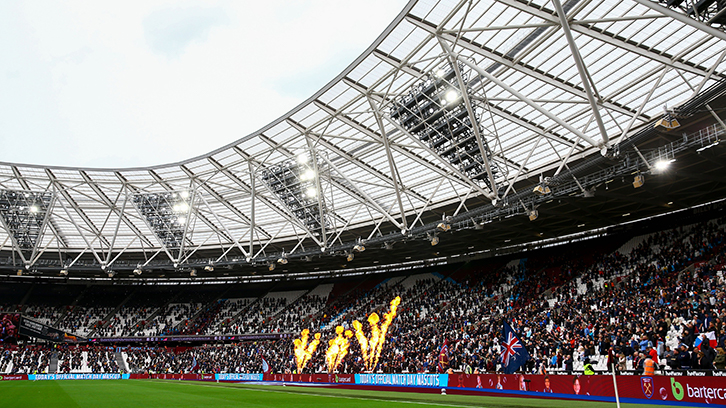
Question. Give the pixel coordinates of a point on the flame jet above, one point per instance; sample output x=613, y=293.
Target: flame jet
x=371, y=347
x=337, y=348
x=303, y=350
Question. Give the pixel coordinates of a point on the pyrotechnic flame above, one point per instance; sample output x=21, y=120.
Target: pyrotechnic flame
x=362, y=339
x=303, y=350
x=371, y=347
x=337, y=349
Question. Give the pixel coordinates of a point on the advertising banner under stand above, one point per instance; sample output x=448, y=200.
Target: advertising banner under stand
x=38, y=330
x=13, y=377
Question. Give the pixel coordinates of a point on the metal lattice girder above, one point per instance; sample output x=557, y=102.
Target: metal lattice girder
x=24, y=215
x=547, y=87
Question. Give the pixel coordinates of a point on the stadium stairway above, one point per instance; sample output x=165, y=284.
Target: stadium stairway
x=370, y=303
x=70, y=308
x=106, y=320
x=53, y=366
x=150, y=318
x=26, y=297
x=243, y=312
x=120, y=361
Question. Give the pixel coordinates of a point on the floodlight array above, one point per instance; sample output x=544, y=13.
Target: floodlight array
x=167, y=214
x=23, y=215
x=435, y=112
x=296, y=185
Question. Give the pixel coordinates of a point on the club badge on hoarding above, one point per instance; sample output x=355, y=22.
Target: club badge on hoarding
x=646, y=383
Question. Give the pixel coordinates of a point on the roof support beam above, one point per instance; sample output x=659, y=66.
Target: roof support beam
x=319, y=188
x=528, y=101
x=373, y=135
x=107, y=201
x=460, y=176
x=253, y=197
x=229, y=206
x=367, y=200
x=260, y=197
x=24, y=183
x=472, y=117
x=608, y=38
x=582, y=70
x=64, y=192
x=683, y=19
x=518, y=66
x=391, y=163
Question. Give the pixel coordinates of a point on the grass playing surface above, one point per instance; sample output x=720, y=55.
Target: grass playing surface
x=180, y=394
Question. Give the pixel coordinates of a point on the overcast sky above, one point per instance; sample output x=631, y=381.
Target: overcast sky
x=122, y=84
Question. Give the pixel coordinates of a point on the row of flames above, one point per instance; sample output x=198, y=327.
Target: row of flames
x=338, y=347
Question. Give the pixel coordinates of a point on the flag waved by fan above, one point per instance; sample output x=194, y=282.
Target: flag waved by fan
x=710, y=336
x=444, y=357
x=514, y=354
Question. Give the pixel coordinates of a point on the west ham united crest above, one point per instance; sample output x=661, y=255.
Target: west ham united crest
x=646, y=383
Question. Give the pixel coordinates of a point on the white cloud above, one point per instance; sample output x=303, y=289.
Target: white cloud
x=98, y=84
x=171, y=30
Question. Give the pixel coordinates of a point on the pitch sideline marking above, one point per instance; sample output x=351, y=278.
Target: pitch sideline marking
x=318, y=395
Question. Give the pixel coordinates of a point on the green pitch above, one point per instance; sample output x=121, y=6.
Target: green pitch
x=180, y=394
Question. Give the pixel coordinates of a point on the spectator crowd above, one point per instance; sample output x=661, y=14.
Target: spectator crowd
x=656, y=298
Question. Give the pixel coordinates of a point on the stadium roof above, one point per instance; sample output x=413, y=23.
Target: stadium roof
x=545, y=92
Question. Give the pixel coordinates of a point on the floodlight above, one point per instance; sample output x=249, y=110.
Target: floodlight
x=451, y=96
x=359, y=248
x=110, y=273
x=433, y=111
x=184, y=194
x=64, y=272
x=302, y=158
x=209, y=268
x=662, y=165
x=271, y=266
x=193, y=273
x=282, y=260
x=434, y=240
x=533, y=215
x=443, y=226
x=138, y=271
x=311, y=192
x=308, y=175
x=34, y=208
x=541, y=190
x=668, y=123
x=638, y=181
x=166, y=215
x=350, y=257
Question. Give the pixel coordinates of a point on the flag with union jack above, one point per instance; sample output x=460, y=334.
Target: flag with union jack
x=514, y=355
